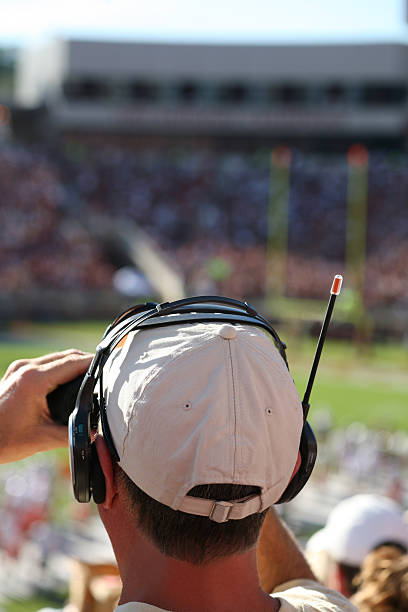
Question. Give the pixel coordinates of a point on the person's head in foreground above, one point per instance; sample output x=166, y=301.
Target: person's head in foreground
x=357, y=526
x=206, y=420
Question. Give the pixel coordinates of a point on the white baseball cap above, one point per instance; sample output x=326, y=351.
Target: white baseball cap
x=203, y=403
x=358, y=525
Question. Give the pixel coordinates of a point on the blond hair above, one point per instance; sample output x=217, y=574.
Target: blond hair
x=382, y=584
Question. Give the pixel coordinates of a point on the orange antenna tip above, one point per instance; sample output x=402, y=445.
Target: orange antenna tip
x=336, y=286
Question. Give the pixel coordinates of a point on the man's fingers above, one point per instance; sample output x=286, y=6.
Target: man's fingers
x=64, y=369
x=14, y=366
x=49, y=358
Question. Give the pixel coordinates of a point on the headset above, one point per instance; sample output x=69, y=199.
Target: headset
x=87, y=476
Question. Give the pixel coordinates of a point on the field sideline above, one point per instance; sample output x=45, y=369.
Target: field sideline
x=368, y=387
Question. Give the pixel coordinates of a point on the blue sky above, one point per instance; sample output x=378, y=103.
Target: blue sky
x=22, y=21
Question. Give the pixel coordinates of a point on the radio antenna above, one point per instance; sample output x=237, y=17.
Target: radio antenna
x=334, y=292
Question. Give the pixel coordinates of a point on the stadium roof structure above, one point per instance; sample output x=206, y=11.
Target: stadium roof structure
x=358, y=89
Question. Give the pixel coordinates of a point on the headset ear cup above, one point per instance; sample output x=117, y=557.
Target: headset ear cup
x=308, y=453
x=97, y=478
x=79, y=456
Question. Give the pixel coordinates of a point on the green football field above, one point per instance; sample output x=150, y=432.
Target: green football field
x=368, y=386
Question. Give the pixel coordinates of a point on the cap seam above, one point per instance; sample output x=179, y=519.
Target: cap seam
x=234, y=407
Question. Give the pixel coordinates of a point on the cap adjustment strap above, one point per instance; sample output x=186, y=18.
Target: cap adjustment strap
x=220, y=511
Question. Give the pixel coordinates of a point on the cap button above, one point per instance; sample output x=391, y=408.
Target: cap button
x=228, y=332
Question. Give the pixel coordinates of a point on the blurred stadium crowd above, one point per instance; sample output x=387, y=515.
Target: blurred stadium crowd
x=208, y=210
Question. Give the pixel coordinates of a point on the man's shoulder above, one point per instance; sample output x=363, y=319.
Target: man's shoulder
x=311, y=596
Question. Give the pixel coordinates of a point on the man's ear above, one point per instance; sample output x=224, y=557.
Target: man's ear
x=105, y=459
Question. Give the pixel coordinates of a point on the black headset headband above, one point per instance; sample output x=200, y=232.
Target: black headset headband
x=200, y=309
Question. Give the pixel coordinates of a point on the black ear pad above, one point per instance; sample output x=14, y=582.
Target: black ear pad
x=97, y=478
x=79, y=456
x=308, y=453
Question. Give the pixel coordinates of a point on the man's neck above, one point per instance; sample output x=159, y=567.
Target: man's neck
x=227, y=584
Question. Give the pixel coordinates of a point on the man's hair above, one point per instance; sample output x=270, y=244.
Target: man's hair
x=187, y=537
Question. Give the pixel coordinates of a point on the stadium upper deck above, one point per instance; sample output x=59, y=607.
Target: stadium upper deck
x=320, y=91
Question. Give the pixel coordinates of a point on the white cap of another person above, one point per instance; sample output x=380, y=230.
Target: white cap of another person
x=358, y=525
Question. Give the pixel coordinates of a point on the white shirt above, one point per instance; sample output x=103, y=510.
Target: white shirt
x=295, y=596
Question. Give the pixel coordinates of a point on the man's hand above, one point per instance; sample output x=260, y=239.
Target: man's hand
x=25, y=423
